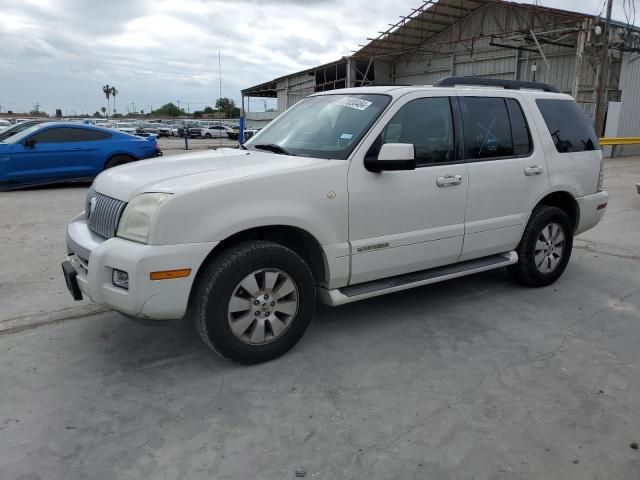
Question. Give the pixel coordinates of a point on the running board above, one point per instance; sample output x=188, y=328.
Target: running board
x=353, y=293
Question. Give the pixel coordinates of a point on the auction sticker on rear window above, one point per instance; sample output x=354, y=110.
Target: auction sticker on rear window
x=356, y=103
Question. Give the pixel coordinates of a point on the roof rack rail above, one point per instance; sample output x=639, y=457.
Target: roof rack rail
x=488, y=82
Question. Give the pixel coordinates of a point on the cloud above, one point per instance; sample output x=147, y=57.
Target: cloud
x=61, y=52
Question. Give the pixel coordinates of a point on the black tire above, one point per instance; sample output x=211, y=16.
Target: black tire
x=526, y=272
x=117, y=160
x=207, y=135
x=218, y=281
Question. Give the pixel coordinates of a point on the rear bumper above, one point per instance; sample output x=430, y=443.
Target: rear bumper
x=93, y=258
x=591, y=210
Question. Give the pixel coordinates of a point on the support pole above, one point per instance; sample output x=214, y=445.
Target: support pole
x=582, y=39
x=604, y=74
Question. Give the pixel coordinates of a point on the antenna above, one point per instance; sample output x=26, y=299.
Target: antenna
x=219, y=93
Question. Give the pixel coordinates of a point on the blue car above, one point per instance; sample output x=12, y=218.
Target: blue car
x=59, y=151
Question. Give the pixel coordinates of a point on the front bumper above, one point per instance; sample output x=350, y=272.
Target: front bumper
x=94, y=258
x=591, y=210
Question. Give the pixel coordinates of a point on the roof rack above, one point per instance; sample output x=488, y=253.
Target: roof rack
x=488, y=82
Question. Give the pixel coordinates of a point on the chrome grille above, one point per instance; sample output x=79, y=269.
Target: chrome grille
x=104, y=215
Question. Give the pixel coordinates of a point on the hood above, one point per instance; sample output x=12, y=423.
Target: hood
x=190, y=171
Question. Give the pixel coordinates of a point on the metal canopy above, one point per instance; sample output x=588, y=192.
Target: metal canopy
x=415, y=33
x=432, y=18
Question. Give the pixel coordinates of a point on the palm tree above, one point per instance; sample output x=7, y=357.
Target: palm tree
x=103, y=110
x=107, y=92
x=114, y=92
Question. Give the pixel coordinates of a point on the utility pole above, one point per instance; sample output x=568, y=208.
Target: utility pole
x=604, y=74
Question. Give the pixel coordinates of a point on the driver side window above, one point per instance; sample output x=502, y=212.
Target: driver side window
x=426, y=123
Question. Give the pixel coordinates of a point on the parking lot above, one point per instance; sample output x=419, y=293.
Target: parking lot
x=173, y=145
x=471, y=378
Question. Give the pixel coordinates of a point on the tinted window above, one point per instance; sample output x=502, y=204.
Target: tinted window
x=427, y=124
x=519, y=128
x=569, y=127
x=487, y=130
x=64, y=134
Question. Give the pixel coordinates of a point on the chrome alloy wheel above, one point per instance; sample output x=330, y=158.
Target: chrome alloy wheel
x=263, y=306
x=549, y=248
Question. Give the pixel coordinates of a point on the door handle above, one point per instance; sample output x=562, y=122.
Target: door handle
x=449, y=180
x=533, y=170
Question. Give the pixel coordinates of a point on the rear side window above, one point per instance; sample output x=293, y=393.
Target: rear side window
x=519, y=128
x=569, y=127
x=487, y=130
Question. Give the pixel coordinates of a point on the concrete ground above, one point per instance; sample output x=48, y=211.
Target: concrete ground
x=473, y=378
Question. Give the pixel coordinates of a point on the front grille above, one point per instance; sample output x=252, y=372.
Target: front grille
x=105, y=214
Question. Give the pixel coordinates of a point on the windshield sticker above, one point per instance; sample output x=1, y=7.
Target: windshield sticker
x=355, y=103
x=346, y=136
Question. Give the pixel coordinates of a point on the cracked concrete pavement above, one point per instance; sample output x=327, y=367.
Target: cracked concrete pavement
x=472, y=378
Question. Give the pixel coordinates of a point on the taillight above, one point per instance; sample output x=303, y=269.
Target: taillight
x=601, y=177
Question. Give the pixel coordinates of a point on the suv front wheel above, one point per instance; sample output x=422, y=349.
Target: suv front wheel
x=545, y=248
x=254, y=301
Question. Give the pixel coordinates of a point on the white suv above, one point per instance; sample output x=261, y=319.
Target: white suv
x=348, y=195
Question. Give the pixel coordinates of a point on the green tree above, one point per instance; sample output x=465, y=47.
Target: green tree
x=97, y=114
x=104, y=110
x=197, y=114
x=114, y=92
x=208, y=110
x=106, y=89
x=169, y=110
x=228, y=106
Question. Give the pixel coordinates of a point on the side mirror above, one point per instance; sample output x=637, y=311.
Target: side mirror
x=29, y=143
x=393, y=157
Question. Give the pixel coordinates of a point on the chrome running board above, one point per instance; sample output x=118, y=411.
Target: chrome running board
x=353, y=293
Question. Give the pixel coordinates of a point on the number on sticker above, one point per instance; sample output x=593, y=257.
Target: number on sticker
x=356, y=103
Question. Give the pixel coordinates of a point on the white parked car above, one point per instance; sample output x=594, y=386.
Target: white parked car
x=125, y=127
x=348, y=195
x=214, y=131
x=4, y=124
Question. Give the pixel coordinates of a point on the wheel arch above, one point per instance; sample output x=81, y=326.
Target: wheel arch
x=565, y=201
x=295, y=238
x=118, y=154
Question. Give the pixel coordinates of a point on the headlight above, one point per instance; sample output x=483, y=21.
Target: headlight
x=136, y=218
x=87, y=203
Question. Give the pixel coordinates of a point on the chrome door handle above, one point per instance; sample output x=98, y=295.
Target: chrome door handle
x=449, y=180
x=533, y=170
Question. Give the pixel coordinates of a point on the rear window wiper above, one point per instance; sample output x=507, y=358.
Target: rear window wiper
x=272, y=147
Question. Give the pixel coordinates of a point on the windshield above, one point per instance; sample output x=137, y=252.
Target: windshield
x=326, y=126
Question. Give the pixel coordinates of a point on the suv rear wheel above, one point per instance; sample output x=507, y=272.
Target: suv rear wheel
x=254, y=302
x=117, y=160
x=545, y=247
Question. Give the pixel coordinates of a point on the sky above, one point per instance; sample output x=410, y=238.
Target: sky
x=59, y=53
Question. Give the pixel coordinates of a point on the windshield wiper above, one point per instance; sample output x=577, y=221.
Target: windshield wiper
x=272, y=147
